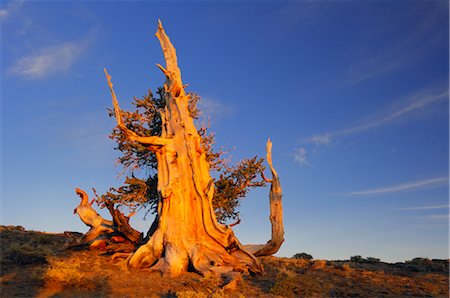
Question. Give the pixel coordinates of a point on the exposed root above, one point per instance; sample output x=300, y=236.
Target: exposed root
x=146, y=255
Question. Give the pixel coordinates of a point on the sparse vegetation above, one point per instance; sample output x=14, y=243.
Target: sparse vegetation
x=23, y=254
x=90, y=274
x=369, y=260
x=20, y=247
x=357, y=259
x=286, y=286
x=372, y=260
x=64, y=272
x=303, y=256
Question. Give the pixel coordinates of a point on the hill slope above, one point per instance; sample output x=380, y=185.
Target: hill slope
x=38, y=265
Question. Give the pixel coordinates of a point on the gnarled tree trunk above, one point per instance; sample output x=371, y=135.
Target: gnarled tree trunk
x=186, y=232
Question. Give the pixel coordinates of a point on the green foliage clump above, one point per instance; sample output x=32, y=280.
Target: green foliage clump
x=357, y=259
x=303, y=256
x=232, y=182
x=372, y=260
x=369, y=260
x=419, y=261
x=427, y=265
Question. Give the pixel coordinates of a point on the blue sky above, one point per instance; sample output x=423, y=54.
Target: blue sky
x=353, y=94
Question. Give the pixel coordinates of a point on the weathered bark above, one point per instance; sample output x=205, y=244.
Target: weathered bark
x=103, y=231
x=122, y=223
x=276, y=213
x=186, y=232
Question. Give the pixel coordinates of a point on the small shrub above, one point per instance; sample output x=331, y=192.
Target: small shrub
x=372, y=260
x=419, y=261
x=346, y=268
x=319, y=264
x=12, y=228
x=343, y=267
x=303, y=256
x=287, y=287
x=369, y=260
x=357, y=259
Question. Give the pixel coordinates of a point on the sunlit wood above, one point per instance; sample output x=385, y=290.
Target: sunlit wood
x=102, y=230
x=186, y=231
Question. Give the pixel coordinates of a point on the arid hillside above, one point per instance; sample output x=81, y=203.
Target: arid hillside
x=35, y=264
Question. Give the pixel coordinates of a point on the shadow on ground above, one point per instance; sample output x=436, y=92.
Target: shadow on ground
x=35, y=264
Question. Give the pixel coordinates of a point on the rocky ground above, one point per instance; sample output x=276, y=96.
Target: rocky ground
x=35, y=264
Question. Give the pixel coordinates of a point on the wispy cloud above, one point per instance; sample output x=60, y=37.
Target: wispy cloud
x=9, y=9
x=299, y=156
x=435, y=217
x=49, y=60
x=422, y=39
x=415, y=103
x=324, y=139
x=433, y=207
x=408, y=186
x=214, y=109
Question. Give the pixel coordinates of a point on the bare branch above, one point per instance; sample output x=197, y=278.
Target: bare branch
x=115, y=101
x=170, y=54
x=172, y=71
x=163, y=69
x=269, y=159
x=236, y=223
x=263, y=176
x=131, y=135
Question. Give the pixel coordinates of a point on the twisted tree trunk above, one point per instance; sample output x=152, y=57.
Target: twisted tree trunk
x=186, y=232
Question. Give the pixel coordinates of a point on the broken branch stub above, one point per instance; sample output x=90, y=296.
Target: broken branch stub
x=276, y=213
x=103, y=232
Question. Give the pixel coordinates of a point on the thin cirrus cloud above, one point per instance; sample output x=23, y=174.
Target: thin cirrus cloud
x=51, y=60
x=408, y=186
x=426, y=36
x=433, y=207
x=10, y=8
x=435, y=217
x=416, y=103
x=214, y=109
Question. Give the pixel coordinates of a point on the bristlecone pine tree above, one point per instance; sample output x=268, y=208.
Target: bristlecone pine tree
x=186, y=233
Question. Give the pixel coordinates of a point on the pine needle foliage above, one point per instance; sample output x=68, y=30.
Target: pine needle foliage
x=232, y=182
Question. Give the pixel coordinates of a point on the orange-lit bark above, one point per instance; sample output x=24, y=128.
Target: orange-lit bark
x=276, y=213
x=101, y=230
x=186, y=232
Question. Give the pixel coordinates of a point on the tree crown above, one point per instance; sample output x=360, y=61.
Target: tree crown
x=232, y=182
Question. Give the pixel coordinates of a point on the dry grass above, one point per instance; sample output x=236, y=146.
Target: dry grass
x=64, y=272
x=37, y=265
